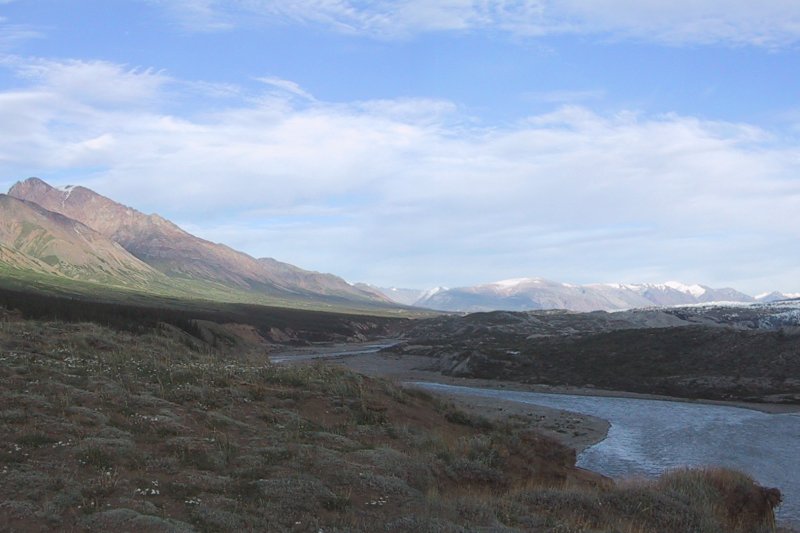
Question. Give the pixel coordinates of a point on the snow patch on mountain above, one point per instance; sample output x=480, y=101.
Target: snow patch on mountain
x=695, y=290
x=515, y=282
x=432, y=292
x=66, y=189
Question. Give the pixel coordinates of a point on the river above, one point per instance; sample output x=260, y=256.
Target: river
x=330, y=351
x=648, y=437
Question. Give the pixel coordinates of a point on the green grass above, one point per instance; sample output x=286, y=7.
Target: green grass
x=187, y=294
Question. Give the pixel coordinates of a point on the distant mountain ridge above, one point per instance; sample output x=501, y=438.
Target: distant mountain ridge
x=166, y=250
x=77, y=234
x=776, y=296
x=526, y=294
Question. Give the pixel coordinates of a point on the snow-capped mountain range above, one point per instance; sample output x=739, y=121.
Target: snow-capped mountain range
x=523, y=294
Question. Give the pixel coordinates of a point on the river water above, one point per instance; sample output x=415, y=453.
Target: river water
x=648, y=437
x=331, y=352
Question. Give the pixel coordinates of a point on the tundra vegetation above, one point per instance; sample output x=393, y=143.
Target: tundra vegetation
x=716, y=353
x=159, y=428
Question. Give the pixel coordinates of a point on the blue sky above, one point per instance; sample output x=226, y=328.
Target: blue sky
x=421, y=143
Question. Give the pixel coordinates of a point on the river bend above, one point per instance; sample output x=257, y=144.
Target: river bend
x=647, y=437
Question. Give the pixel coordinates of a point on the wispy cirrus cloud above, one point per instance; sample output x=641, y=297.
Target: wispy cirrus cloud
x=414, y=191
x=199, y=15
x=90, y=81
x=12, y=35
x=287, y=87
x=679, y=22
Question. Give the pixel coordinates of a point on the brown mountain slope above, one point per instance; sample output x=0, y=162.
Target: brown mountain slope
x=177, y=253
x=16, y=259
x=36, y=239
x=292, y=276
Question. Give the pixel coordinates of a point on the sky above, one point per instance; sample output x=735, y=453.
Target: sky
x=418, y=143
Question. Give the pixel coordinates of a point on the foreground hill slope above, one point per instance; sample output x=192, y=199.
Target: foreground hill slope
x=108, y=430
x=46, y=242
x=178, y=254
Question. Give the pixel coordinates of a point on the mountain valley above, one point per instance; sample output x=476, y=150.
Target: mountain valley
x=140, y=391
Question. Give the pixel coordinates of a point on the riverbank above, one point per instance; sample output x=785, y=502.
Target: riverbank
x=575, y=430
x=578, y=431
x=421, y=368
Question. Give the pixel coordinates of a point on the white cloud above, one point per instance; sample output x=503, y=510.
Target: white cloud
x=415, y=189
x=737, y=22
x=731, y=22
x=91, y=81
x=13, y=34
x=197, y=15
x=287, y=86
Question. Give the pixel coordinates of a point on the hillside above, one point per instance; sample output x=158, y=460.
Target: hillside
x=46, y=242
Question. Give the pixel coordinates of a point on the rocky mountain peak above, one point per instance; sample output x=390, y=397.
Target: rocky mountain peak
x=29, y=186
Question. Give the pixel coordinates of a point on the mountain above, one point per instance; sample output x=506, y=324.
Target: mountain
x=15, y=259
x=35, y=239
x=526, y=294
x=287, y=275
x=401, y=296
x=193, y=262
x=776, y=296
x=380, y=294
x=676, y=293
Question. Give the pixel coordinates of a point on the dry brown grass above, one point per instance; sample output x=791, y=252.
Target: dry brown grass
x=701, y=501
